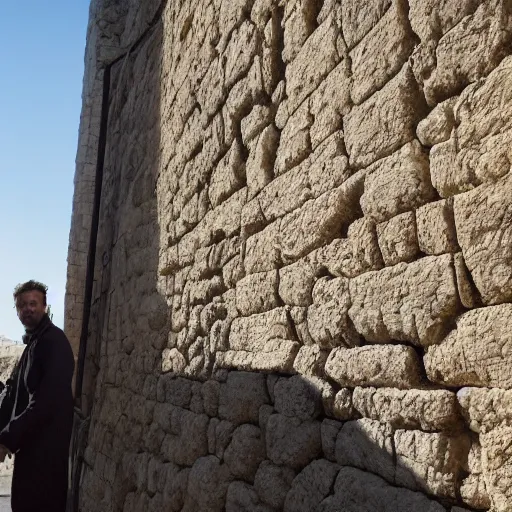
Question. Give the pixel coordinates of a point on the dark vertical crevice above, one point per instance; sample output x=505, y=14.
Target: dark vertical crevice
x=91, y=257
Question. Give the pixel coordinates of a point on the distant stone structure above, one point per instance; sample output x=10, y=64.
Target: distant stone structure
x=290, y=263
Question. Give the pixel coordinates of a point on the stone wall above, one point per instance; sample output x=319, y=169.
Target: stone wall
x=302, y=285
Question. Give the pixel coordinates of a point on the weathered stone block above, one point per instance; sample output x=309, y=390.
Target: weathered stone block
x=382, y=52
x=273, y=483
x=484, y=233
x=311, y=486
x=257, y=293
x=354, y=487
x=310, y=361
x=241, y=497
x=330, y=429
x=475, y=353
x=436, y=228
x=359, y=19
x=428, y=410
x=398, y=240
x=296, y=283
x=318, y=56
x=351, y=256
x=364, y=366
x=397, y=184
x=241, y=397
x=245, y=452
x=385, y=121
x=291, y=442
x=298, y=397
x=411, y=302
x=438, y=125
x=262, y=251
x=328, y=321
x=430, y=462
x=368, y=445
x=342, y=407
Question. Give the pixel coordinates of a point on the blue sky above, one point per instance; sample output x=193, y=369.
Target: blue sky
x=41, y=72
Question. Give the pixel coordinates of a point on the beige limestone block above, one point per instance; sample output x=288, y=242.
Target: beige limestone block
x=298, y=397
x=398, y=240
x=295, y=143
x=359, y=19
x=354, y=487
x=329, y=103
x=310, y=361
x=245, y=452
x=473, y=492
x=314, y=224
x=208, y=482
x=486, y=408
x=242, y=396
x=275, y=355
x=497, y=466
x=292, y=442
x=173, y=361
x=228, y=176
x=260, y=163
x=476, y=352
x=299, y=24
x=272, y=483
x=351, y=256
x=382, y=52
x=343, y=408
x=398, y=183
x=428, y=410
x=479, y=149
x=472, y=49
x=413, y=302
x=330, y=429
x=484, y=231
x=387, y=120
x=317, y=57
x=255, y=122
x=257, y=293
x=367, y=445
x=438, y=125
x=296, y=283
x=252, y=332
x=326, y=168
x=311, y=486
x=430, y=462
x=436, y=228
x=242, y=496
x=328, y=320
x=211, y=92
x=372, y=365
x=262, y=250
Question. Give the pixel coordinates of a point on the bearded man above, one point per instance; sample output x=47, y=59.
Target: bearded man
x=36, y=411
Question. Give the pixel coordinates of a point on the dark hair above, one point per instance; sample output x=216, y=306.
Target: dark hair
x=30, y=286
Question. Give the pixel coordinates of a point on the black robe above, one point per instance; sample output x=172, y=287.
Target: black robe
x=36, y=420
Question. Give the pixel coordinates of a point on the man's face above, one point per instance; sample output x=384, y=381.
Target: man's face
x=30, y=308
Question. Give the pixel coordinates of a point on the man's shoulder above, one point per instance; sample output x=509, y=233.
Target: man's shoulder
x=55, y=334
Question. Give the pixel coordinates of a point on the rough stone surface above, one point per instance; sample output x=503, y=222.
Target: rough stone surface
x=302, y=253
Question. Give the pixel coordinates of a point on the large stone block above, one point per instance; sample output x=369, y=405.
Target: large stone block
x=398, y=240
x=391, y=365
x=292, y=442
x=436, y=228
x=257, y=293
x=484, y=231
x=358, y=491
x=478, y=150
x=272, y=483
x=328, y=321
x=414, y=302
x=245, y=452
x=242, y=396
x=382, y=52
x=367, y=444
x=397, y=184
x=298, y=397
x=384, y=122
x=475, y=353
x=430, y=462
x=472, y=49
x=241, y=497
x=359, y=19
x=318, y=56
x=428, y=410
x=311, y=486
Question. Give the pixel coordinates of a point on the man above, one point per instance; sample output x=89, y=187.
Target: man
x=36, y=412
